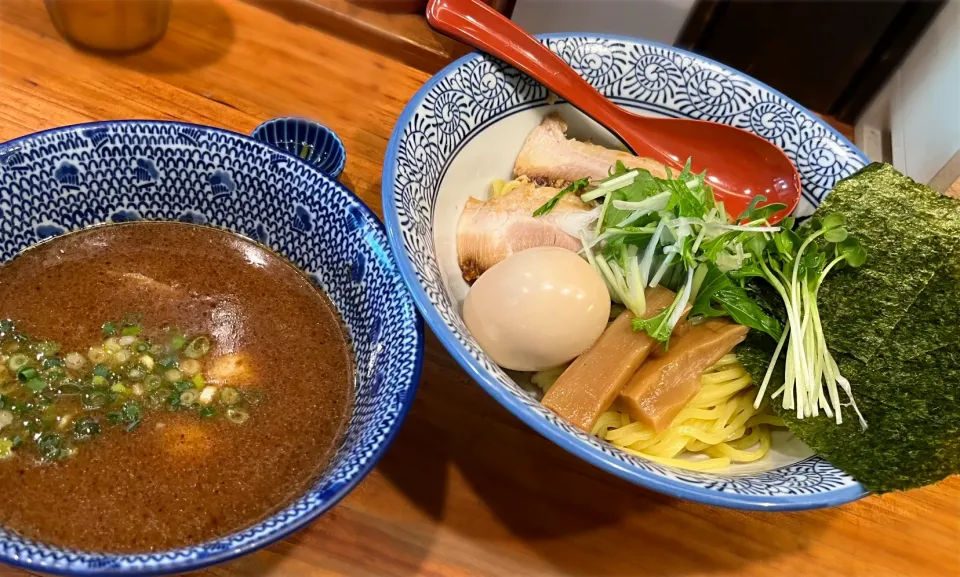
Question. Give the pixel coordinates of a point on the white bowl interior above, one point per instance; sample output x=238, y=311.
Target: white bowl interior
x=491, y=154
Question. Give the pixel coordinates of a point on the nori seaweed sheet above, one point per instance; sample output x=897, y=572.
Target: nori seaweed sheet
x=902, y=226
x=913, y=422
x=933, y=321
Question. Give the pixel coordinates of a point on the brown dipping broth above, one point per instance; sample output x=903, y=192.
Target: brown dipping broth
x=177, y=479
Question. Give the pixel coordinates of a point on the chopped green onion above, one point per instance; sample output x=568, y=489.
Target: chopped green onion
x=47, y=348
x=49, y=445
x=85, y=428
x=157, y=398
x=69, y=389
x=75, y=395
x=152, y=382
x=94, y=399
x=190, y=367
x=131, y=411
x=127, y=340
x=188, y=397
x=36, y=385
x=16, y=362
x=96, y=355
x=229, y=396
x=197, y=348
x=182, y=386
x=147, y=362
x=237, y=416
x=75, y=361
x=26, y=373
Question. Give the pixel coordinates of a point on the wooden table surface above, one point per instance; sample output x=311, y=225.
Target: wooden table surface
x=466, y=489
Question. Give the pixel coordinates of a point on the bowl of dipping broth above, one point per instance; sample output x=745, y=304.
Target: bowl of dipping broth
x=205, y=344
x=481, y=175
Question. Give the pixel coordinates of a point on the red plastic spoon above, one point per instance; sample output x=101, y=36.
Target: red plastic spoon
x=739, y=164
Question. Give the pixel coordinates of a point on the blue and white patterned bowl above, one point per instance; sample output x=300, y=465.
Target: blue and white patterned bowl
x=68, y=178
x=466, y=126
x=306, y=139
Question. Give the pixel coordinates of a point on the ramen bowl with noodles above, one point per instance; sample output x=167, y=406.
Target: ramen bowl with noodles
x=454, y=153
x=202, y=334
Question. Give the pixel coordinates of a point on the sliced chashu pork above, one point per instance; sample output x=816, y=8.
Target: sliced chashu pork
x=549, y=157
x=489, y=231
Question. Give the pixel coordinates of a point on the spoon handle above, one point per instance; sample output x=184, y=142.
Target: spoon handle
x=478, y=25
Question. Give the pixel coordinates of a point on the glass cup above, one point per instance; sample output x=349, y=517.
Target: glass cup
x=110, y=25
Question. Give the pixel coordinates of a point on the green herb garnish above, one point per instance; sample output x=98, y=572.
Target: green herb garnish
x=50, y=447
x=36, y=385
x=52, y=404
x=795, y=263
x=85, y=428
x=673, y=232
x=718, y=295
x=573, y=187
x=131, y=331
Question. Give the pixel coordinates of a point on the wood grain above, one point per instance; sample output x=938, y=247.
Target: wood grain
x=404, y=37
x=466, y=489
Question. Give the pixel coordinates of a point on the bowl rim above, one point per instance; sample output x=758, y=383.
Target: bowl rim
x=637, y=476
x=161, y=566
x=337, y=169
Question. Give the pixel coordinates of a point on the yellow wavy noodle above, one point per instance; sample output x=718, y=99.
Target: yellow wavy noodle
x=719, y=426
x=720, y=423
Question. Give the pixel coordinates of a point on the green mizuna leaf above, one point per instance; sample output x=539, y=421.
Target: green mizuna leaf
x=733, y=301
x=643, y=187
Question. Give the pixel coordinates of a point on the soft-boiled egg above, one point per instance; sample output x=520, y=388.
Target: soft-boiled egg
x=537, y=309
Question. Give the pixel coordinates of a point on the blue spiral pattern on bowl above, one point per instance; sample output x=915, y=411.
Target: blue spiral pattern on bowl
x=471, y=94
x=69, y=178
x=306, y=139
